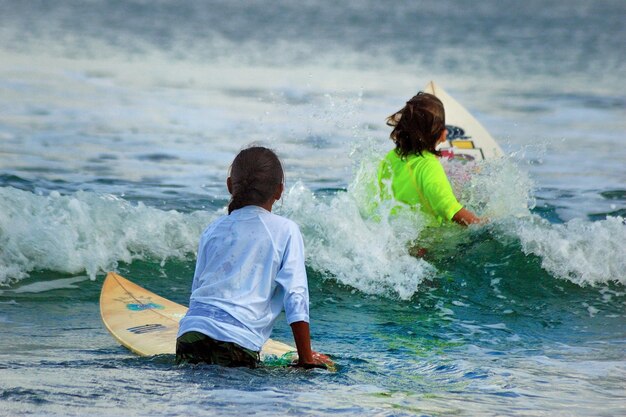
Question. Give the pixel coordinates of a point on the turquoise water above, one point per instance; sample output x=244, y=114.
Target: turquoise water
x=118, y=121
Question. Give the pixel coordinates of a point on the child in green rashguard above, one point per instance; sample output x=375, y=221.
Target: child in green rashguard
x=411, y=173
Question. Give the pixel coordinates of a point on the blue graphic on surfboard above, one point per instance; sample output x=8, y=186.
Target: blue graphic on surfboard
x=144, y=306
x=467, y=139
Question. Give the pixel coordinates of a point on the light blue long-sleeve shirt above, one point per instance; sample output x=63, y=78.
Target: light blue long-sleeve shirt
x=250, y=266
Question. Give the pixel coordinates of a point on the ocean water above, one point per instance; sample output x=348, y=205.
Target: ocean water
x=119, y=119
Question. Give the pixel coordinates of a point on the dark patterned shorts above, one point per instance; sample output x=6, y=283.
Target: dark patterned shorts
x=195, y=347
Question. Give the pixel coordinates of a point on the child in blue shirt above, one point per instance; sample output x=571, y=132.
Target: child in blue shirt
x=250, y=266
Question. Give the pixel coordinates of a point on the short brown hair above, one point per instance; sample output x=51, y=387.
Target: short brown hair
x=418, y=125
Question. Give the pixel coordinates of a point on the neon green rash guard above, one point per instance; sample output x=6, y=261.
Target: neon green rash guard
x=418, y=180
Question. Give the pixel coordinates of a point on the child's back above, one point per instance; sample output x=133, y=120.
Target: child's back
x=247, y=258
x=250, y=266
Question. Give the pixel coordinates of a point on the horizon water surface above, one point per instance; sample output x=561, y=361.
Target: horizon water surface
x=118, y=121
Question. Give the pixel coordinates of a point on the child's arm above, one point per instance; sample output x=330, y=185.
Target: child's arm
x=292, y=278
x=307, y=358
x=464, y=217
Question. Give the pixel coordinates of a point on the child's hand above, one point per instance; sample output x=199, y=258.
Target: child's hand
x=307, y=358
x=323, y=359
x=319, y=360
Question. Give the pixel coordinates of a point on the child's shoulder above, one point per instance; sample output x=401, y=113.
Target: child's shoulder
x=280, y=219
x=282, y=223
x=425, y=158
x=214, y=224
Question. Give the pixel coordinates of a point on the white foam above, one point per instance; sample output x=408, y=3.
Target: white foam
x=371, y=256
x=592, y=310
x=497, y=326
x=43, y=286
x=87, y=232
x=579, y=251
x=495, y=189
x=352, y=236
x=364, y=249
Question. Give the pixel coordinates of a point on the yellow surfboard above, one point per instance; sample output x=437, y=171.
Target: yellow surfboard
x=147, y=324
x=467, y=138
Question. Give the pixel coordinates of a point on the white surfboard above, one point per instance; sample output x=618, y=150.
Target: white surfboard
x=467, y=138
x=147, y=324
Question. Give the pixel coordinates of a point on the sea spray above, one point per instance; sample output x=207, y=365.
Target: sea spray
x=369, y=251
x=87, y=232
x=494, y=189
x=369, y=255
x=353, y=237
x=580, y=251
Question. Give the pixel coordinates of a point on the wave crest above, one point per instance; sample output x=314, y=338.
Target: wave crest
x=579, y=251
x=87, y=232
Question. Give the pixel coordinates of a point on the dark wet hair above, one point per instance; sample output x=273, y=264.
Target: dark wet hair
x=418, y=125
x=255, y=175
